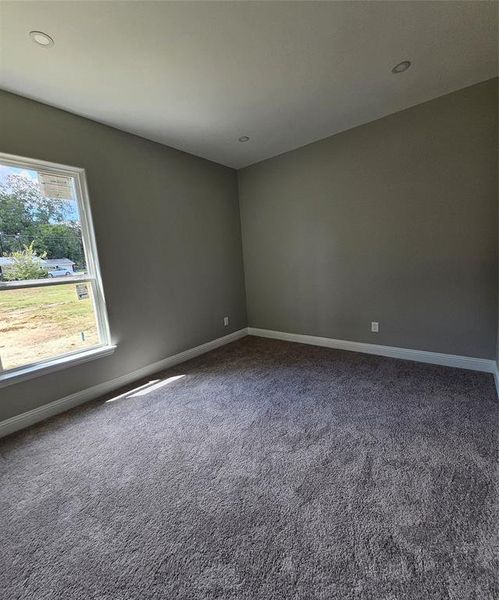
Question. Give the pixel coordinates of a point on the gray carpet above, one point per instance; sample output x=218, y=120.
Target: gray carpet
x=270, y=471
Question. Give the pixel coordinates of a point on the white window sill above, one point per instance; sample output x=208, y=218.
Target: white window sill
x=57, y=364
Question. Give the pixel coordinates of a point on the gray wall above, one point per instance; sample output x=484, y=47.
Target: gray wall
x=168, y=236
x=394, y=221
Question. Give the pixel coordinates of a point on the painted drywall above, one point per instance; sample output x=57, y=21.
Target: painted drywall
x=168, y=236
x=394, y=221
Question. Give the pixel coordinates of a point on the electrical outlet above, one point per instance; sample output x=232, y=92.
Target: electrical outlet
x=226, y=321
x=374, y=326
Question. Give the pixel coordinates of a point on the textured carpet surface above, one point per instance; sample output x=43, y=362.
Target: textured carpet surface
x=269, y=471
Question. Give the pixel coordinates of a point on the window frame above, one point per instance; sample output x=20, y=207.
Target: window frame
x=92, y=276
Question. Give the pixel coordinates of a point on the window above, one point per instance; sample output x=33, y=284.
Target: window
x=52, y=309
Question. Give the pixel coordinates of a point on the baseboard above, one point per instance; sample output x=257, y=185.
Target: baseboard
x=63, y=404
x=435, y=358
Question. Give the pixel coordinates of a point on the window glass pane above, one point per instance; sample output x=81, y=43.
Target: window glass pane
x=45, y=235
x=40, y=323
x=40, y=227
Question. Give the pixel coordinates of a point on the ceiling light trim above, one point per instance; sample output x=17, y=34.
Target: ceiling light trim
x=401, y=67
x=42, y=39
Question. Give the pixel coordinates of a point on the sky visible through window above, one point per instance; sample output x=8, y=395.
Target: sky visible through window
x=39, y=217
x=5, y=171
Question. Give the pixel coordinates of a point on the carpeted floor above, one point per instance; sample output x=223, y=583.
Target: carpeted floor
x=270, y=471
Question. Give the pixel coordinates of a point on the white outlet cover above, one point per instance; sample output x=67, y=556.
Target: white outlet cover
x=374, y=326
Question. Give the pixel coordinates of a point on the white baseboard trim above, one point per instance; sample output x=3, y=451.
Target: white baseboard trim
x=435, y=358
x=63, y=404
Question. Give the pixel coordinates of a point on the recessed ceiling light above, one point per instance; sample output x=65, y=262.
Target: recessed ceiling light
x=401, y=67
x=42, y=39
x=244, y=138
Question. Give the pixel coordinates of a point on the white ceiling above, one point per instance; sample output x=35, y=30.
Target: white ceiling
x=197, y=75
